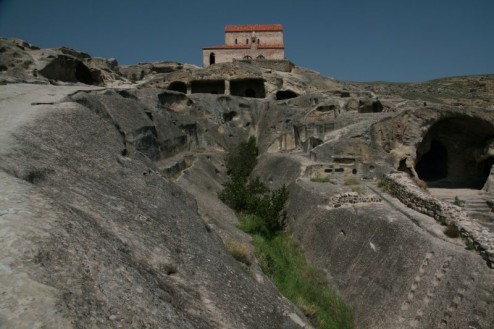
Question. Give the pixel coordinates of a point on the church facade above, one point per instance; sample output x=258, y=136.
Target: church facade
x=247, y=42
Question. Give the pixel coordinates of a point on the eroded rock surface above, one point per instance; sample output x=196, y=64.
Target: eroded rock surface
x=110, y=216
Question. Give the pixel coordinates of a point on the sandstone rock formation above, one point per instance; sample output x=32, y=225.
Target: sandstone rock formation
x=110, y=216
x=23, y=62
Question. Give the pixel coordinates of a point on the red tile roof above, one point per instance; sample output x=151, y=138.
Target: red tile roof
x=251, y=28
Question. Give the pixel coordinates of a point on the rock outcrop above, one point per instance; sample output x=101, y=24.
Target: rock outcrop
x=23, y=62
x=110, y=174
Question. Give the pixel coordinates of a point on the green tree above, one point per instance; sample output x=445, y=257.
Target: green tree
x=241, y=161
x=252, y=197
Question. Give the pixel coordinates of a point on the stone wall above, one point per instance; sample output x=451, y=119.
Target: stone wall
x=404, y=188
x=245, y=38
x=282, y=65
x=351, y=198
x=228, y=55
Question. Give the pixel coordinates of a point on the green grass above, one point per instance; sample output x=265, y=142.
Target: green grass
x=470, y=245
x=283, y=261
x=262, y=214
x=385, y=186
x=239, y=251
x=252, y=224
x=443, y=221
x=319, y=179
x=458, y=202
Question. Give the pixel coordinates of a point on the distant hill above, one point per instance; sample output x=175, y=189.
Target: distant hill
x=473, y=90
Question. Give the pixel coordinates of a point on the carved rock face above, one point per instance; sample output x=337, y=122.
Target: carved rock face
x=448, y=154
x=67, y=69
x=445, y=146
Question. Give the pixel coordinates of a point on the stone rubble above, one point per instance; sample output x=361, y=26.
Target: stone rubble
x=352, y=198
x=404, y=188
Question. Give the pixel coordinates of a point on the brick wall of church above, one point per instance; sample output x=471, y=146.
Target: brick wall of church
x=228, y=55
x=265, y=38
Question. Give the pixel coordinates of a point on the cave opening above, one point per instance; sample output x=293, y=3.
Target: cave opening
x=285, y=94
x=178, y=86
x=487, y=165
x=456, y=153
x=68, y=69
x=83, y=74
x=253, y=88
x=249, y=92
x=434, y=164
x=208, y=87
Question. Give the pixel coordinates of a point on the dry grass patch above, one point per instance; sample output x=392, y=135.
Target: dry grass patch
x=240, y=251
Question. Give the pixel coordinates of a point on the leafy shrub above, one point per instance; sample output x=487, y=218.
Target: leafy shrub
x=241, y=161
x=252, y=224
x=278, y=255
x=235, y=195
x=252, y=196
x=269, y=207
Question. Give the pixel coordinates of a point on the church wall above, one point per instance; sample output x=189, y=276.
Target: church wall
x=266, y=38
x=228, y=55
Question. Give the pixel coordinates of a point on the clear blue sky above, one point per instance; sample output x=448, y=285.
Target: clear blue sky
x=360, y=40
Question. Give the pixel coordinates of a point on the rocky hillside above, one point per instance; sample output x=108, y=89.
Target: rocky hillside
x=476, y=90
x=110, y=174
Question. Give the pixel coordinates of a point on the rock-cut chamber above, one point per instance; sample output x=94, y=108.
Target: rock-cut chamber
x=456, y=153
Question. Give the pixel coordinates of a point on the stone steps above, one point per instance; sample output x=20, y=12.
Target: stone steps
x=430, y=203
x=471, y=204
x=476, y=207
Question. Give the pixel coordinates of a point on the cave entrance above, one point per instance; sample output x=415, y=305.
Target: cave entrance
x=67, y=69
x=83, y=74
x=285, y=94
x=434, y=164
x=207, y=87
x=455, y=153
x=249, y=92
x=253, y=88
x=178, y=86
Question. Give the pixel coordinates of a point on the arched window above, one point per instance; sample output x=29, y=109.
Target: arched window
x=212, y=59
x=261, y=57
x=247, y=57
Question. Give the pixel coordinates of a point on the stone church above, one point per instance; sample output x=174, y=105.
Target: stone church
x=247, y=42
